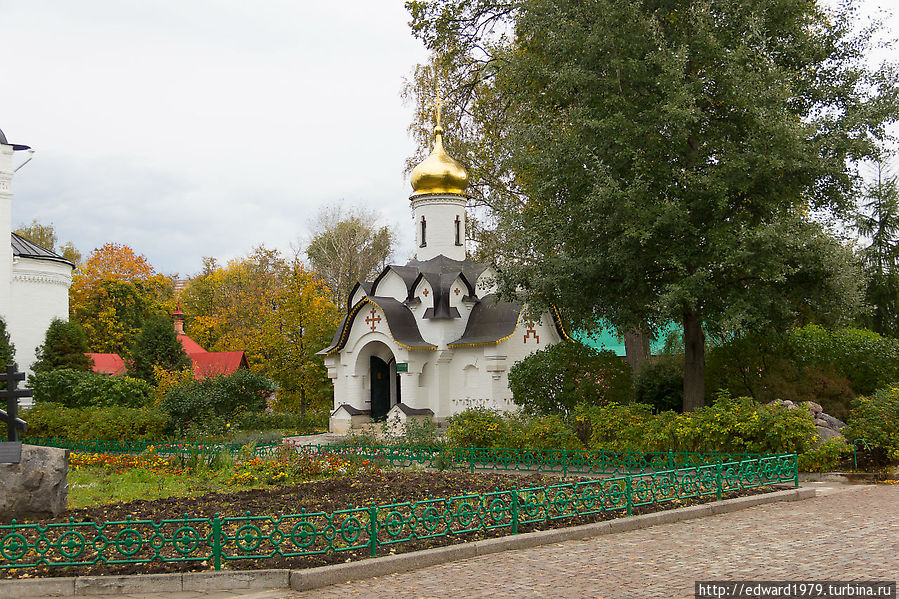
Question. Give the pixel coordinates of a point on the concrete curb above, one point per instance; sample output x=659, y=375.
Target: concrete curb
x=311, y=578
x=26, y=588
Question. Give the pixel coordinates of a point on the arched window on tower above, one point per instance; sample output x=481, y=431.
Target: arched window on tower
x=458, y=230
x=424, y=232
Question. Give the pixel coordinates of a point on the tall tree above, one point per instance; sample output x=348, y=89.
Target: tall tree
x=7, y=348
x=45, y=236
x=348, y=246
x=157, y=345
x=276, y=310
x=113, y=293
x=878, y=220
x=661, y=152
x=64, y=347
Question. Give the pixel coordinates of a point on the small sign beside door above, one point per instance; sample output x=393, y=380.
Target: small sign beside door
x=402, y=366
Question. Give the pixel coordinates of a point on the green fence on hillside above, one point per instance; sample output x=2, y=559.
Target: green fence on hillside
x=374, y=529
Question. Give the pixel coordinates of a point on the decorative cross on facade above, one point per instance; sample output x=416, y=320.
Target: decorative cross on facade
x=456, y=291
x=425, y=292
x=531, y=332
x=373, y=320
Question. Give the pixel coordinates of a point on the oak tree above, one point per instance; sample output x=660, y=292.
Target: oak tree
x=662, y=158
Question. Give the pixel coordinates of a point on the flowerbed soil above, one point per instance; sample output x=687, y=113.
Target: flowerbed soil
x=324, y=496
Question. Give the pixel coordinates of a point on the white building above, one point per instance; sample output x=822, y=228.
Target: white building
x=34, y=281
x=431, y=338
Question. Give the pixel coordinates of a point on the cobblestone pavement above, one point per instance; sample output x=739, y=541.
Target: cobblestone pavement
x=846, y=533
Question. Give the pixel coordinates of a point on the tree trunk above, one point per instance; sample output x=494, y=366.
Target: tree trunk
x=636, y=348
x=303, y=403
x=694, y=362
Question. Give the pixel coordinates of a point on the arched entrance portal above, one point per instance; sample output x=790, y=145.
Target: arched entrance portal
x=383, y=380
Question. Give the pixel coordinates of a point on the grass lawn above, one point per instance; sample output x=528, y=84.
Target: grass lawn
x=96, y=485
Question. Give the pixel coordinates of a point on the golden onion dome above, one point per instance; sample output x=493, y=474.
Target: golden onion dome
x=439, y=172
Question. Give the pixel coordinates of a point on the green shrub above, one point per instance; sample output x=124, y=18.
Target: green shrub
x=616, y=427
x=807, y=364
x=740, y=424
x=876, y=420
x=77, y=389
x=868, y=360
x=65, y=346
x=264, y=420
x=206, y=406
x=556, y=379
x=157, y=345
x=729, y=425
x=825, y=458
x=478, y=427
x=545, y=432
x=111, y=423
x=660, y=383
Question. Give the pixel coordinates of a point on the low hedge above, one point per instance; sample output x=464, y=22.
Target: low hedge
x=78, y=389
x=730, y=425
x=111, y=423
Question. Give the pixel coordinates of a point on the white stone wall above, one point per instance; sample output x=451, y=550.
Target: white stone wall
x=40, y=293
x=440, y=212
x=6, y=172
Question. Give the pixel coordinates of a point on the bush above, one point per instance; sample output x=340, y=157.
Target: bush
x=660, y=383
x=65, y=346
x=876, y=420
x=157, y=345
x=730, y=425
x=808, y=364
x=825, y=458
x=115, y=423
x=205, y=406
x=478, y=427
x=77, y=389
x=544, y=432
x=260, y=421
x=556, y=379
x=868, y=360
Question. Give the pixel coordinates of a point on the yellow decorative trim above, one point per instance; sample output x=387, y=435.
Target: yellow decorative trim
x=558, y=320
x=351, y=319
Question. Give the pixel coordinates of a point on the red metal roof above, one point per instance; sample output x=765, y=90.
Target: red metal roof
x=190, y=346
x=108, y=364
x=208, y=364
x=205, y=364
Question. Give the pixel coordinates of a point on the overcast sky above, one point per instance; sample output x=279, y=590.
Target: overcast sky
x=191, y=128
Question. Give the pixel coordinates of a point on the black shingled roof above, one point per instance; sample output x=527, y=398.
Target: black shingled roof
x=26, y=249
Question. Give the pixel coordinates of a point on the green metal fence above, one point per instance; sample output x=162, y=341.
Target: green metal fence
x=163, y=448
x=557, y=461
x=374, y=529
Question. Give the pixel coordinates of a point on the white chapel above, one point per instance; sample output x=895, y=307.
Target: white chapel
x=431, y=338
x=34, y=281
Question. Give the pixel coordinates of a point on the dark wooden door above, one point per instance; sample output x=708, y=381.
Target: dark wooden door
x=380, y=388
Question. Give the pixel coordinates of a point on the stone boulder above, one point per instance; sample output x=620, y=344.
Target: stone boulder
x=36, y=487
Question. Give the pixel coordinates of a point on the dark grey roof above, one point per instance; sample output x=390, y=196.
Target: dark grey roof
x=441, y=272
x=491, y=321
x=25, y=249
x=351, y=410
x=14, y=146
x=414, y=411
x=400, y=321
x=366, y=287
